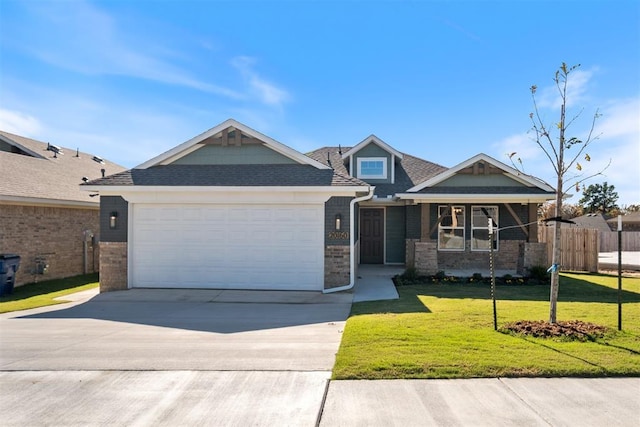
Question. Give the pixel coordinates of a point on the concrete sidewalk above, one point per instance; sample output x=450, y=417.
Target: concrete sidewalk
x=166, y=357
x=609, y=260
x=484, y=402
x=171, y=357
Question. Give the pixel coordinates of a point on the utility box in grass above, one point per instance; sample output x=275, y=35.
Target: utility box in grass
x=9, y=264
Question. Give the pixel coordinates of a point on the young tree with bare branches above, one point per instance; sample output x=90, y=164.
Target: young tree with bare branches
x=553, y=140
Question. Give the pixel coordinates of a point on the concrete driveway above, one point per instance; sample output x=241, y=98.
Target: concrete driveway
x=165, y=357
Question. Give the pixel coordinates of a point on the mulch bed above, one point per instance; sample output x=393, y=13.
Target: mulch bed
x=570, y=330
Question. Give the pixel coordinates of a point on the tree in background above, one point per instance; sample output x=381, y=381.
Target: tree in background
x=600, y=198
x=548, y=210
x=624, y=210
x=553, y=140
x=627, y=209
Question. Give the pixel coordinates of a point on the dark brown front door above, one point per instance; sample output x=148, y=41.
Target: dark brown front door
x=371, y=236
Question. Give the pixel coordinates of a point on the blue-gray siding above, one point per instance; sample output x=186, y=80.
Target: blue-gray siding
x=249, y=154
x=119, y=205
x=467, y=180
x=395, y=234
x=414, y=219
x=373, y=150
x=332, y=207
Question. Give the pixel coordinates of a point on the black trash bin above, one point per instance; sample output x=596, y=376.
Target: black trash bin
x=9, y=264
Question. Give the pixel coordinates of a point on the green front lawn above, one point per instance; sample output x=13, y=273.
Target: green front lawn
x=446, y=331
x=43, y=293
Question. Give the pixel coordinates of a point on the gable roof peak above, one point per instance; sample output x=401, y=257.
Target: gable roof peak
x=528, y=180
x=375, y=140
x=192, y=144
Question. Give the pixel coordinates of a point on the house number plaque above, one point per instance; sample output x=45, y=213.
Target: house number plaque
x=337, y=235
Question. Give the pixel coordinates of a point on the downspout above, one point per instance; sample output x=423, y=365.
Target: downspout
x=352, y=243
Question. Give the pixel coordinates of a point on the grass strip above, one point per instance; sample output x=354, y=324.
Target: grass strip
x=41, y=294
x=446, y=331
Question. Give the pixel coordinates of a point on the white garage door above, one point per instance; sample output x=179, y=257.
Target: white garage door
x=228, y=246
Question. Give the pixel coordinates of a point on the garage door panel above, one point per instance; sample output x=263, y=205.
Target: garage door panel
x=228, y=246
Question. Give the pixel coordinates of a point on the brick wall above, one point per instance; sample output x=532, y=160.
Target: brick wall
x=54, y=233
x=506, y=257
x=426, y=257
x=531, y=254
x=113, y=266
x=336, y=266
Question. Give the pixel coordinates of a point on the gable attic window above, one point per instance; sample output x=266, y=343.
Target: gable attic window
x=372, y=168
x=451, y=228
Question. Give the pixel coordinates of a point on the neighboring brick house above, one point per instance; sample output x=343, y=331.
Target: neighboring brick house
x=232, y=208
x=44, y=216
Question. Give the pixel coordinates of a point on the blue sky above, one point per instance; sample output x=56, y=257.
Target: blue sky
x=439, y=80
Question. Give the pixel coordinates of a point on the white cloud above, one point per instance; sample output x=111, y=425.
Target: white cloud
x=577, y=84
x=267, y=92
x=19, y=123
x=524, y=148
x=84, y=39
x=621, y=119
x=618, y=142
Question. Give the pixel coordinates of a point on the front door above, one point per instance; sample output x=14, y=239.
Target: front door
x=371, y=236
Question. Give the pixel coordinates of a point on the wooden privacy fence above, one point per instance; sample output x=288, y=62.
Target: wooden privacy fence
x=578, y=247
x=609, y=241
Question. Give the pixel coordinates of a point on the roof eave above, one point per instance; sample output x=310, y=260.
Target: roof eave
x=476, y=198
x=117, y=189
x=36, y=201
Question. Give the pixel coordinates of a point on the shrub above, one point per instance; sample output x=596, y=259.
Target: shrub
x=538, y=272
x=411, y=273
x=409, y=277
x=507, y=279
x=476, y=277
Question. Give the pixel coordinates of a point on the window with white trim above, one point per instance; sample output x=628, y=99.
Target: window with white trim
x=480, y=227
x=451, y=228
x=372, y=167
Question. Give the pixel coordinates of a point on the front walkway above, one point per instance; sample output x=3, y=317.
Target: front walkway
x=374, y=282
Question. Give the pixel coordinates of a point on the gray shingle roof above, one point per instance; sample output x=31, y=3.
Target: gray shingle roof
x=595, y=221
x=50, y=179
x=230, y=175
x=410, y=171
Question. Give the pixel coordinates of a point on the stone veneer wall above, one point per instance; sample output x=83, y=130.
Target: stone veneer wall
x=531, y=255
x=113, y=266
x=410, y=252
x=336, y=266
x=426, y=257
x=54, y=233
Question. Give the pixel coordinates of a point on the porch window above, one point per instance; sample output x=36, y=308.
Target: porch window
x=480, y=227
x=372, y=167
x=451, y=228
